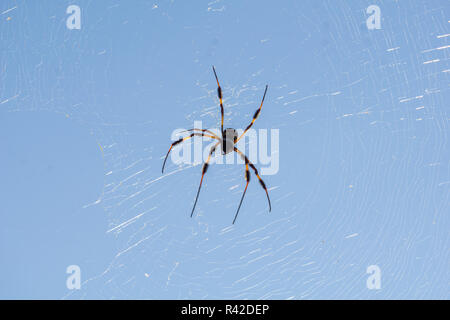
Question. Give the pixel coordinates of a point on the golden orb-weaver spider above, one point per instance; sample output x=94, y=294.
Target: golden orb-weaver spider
x=227, y=142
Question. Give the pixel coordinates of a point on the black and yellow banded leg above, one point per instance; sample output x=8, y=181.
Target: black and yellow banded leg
x=202, y=130
x=204, y=169
x=184, y=139
x=256, y=173
x=257, y=112
x=247, y=178
x=219, y=94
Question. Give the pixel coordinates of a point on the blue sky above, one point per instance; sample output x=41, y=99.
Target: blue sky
x=86, y=117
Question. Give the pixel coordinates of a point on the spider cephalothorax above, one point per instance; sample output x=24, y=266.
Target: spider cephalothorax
x=228, y=143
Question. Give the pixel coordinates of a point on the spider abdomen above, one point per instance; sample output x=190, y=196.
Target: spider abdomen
x=229, y=137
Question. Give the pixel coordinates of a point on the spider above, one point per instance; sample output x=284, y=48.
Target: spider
x=227, y=144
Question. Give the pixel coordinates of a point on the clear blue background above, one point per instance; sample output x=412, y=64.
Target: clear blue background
x=86, y=117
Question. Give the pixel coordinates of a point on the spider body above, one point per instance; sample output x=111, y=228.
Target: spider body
x=228, y=144
x=229, y=138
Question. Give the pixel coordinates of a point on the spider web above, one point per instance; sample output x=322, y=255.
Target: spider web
x=364, y=161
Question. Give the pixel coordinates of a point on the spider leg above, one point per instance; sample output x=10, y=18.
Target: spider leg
x=247, y=178
x=256, y=173
x=184, y=139
x=254, y=116
x=205, y=167
x=219, y=93
x=202, y=130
